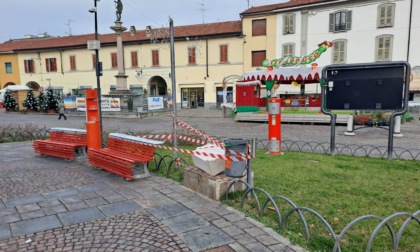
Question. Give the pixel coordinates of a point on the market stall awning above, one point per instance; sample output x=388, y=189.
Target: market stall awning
x=305, y=74
x=248, y=83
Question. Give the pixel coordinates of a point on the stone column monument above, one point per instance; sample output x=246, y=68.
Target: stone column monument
x=119, y=29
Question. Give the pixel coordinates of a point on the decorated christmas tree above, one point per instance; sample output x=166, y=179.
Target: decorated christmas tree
x=9, y=101
x=30, y=102
x=51, y=101
x=41, y=101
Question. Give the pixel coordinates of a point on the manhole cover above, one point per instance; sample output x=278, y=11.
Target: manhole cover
x=225, y=248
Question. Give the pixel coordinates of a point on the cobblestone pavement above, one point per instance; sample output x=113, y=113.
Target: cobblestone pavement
x=49, y=204
x=213, y=123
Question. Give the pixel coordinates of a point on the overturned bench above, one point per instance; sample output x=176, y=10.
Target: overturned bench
x=124, y=155
x=65, y=143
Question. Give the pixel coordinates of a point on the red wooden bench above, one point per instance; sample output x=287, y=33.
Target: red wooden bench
x=63, y=142
x=124, y=155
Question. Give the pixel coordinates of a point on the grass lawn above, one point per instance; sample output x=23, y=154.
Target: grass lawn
x=341, y=189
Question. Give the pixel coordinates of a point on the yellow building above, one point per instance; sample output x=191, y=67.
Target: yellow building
x=204, y=55
x=9, y=69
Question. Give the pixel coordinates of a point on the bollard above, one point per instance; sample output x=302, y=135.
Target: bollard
x=350, y=126
x=397, y=127
x=274, y=126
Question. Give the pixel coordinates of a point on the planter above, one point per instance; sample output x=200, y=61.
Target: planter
x=52, y=111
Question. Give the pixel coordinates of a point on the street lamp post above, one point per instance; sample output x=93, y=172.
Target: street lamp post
x=98, y=66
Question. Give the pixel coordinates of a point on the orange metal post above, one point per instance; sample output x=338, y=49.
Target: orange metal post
x=274, y=125
x=93, y=126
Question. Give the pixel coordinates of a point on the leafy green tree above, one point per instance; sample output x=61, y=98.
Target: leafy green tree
x=30, y=102
x=9, y=101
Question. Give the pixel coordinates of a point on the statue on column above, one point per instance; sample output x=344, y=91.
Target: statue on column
x=119, y=7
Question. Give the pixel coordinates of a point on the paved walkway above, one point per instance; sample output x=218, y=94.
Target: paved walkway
x=48, y=204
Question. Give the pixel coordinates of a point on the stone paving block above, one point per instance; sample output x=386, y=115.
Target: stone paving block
x=234, y=217
x=244, y=224
x=2, y=205
x=34, y=225
x=9, y=218
x=127, y=193
x=71, y=199
x=266, y=240
x=50, y=210
x=7, y=211
x=11, y=202
x=61, y=193
x=93, y=187
x=88, y=195
x=221, y=223
x=254, y=231
x=280, y=248
x=185, y=222
x=210, y=216
x=5, y=232
x=49, y=203
x=233, y=230
x=76, y=206
x=238, y=247
x=106, y=193
x=32, y=215
x=119, y=208
x=80, y=216
x=256, y=246
x=205, y=238
x=114, y=198
x=98, y=201
x=166, y=211
x=244, y=239
x=28, y=208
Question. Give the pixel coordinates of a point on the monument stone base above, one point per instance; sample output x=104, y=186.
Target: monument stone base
x=213, y=187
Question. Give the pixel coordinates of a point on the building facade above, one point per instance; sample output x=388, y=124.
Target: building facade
x=362, y=31
x=204, y=55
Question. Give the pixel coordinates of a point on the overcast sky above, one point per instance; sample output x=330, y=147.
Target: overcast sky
x=58, y=17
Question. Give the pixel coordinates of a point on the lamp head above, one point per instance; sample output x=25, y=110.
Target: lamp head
x=92, y=10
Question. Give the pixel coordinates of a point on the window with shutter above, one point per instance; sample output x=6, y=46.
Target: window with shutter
x=191, y=56
x=155, y=58
x=51, y=65
x=114, y=60
x=72, y=63
x=258, y=57
x=134, y=59
x=386, y=15
x=384, y=48
x=29, y=66
x=340, y=21
x=224, y=54
x=259, y=27
x=288, y=50
x=339, y=52
x=289, y=24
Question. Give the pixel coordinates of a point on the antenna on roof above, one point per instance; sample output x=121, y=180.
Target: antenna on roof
x=202, y=9
x=69, y=25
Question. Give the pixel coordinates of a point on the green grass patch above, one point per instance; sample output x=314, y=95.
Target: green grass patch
x=340, y=188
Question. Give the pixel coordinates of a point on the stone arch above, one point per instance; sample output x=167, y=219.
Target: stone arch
x=9, y=84
x=34, y=85
x=157, y=86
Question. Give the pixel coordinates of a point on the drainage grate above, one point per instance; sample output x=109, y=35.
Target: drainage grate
x=225, y=248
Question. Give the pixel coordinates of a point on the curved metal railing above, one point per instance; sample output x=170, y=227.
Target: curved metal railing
x=337, y=238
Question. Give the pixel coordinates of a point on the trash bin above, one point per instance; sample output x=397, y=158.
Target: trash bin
x=236, y=169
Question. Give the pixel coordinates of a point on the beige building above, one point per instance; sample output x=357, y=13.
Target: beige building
x=204, y=55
